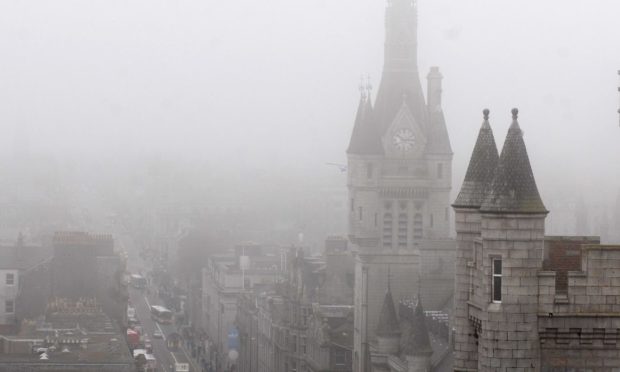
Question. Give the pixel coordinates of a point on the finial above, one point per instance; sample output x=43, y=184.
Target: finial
x=486, y=113
x=515, y=113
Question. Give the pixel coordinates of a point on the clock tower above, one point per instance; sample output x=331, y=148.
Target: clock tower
x=399, y=182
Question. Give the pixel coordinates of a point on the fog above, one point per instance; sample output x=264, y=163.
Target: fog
x=174, y=186
x=246, y=88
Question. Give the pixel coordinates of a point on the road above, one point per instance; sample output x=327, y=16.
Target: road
x=166, y=359
x=142, y=302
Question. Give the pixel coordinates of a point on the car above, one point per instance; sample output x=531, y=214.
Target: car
x=157, y=334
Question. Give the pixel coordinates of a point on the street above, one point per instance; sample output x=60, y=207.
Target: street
x=166, y=359
x=142, y=302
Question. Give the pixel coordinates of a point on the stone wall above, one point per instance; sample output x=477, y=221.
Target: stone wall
x=563, y=254
x=465, y=344
x=580, y=330
x=509, y=332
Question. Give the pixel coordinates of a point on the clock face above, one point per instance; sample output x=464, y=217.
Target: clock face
x=404, y=139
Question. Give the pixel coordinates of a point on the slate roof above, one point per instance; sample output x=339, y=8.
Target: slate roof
x=388, y=320
x=514, y=188
x=365, y=139
x=416, y=340
x=481, y=168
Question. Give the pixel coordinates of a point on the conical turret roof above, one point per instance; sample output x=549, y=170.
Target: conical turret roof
x=514, y=188
x=417, y=341
x=388, y=320
x=481, y=168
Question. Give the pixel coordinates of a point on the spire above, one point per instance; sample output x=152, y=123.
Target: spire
x=388, y=320
x=365, y=139
x=481, y=168
x=514, y=189
x=417, y=341
x=400, y=70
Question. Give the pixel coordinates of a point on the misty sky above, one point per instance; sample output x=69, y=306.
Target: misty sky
x=274, y=82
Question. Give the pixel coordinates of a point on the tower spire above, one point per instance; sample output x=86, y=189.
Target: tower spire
x=400, y=70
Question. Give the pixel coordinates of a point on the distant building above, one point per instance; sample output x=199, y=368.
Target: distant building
x=399, y=181
x=71, y=336
x=525, y=301
x=82, y=266
x=225, y=279
x=305, y=322
x=15, y=260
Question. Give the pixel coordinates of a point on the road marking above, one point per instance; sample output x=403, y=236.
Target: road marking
x=147, y=302
x=190, y=359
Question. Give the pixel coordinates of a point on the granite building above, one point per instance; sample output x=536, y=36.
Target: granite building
x=225, y=279
x=524, y=301
x=304, y=322
x=399, y=182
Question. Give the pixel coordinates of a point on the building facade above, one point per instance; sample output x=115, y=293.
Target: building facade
x=15, y=261
x=225, y=279
x=523, y=301
x=82, y=265
x=399, y=182
x=305, y=322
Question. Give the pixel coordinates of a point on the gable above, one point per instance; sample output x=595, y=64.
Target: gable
x=405, y=137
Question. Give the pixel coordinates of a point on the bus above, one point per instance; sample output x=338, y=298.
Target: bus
x=138, y=281
x=161, y=315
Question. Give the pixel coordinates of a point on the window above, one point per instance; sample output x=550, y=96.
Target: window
x=303, y=345
x=340, y=358
x=10, y=279
x=418, y=226
x=497, y=280
x=432, y=220
x=361, y=213
x=9, y=306
x=440, y=170
x=352, y=205
x=369, y=170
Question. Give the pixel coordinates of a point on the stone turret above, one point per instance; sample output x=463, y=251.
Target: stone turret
x=477, y=183
x=509, y=260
